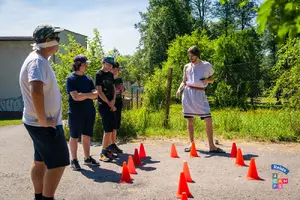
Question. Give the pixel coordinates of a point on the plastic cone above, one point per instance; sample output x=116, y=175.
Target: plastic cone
x=131, y=166
x=186, y=172
x=233, y=151
x=174, y=152
x=252, y=171
x=184, y=196
x=136, y=158
x=142, y=151
x=239, y=158
x=193, y=152
x=125, y=174
x=183, y=187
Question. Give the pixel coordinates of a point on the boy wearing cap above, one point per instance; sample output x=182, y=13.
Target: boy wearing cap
x=106, y=105
x=196, y=76
x=119, y=105
x=42, y=115
x=81, y=112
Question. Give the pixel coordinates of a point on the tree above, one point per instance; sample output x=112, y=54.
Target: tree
x=161, y=23
x=200, y=12
x=282, y=16
x=245, y=14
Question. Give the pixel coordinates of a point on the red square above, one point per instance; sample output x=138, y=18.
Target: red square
x=285, y=180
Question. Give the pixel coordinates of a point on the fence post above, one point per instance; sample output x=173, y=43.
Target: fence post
x=137, y=98
x=131, y=98
x=168, y=97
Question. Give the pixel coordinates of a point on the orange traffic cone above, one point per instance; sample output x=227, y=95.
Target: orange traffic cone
x=239, y=158
x=233, y=151
x=142, y=151
x=131, y=166
x=193, y=152
x=183, y=187
x=174, y=152
x=186, y=172
x=252, y=171
x=125, y=174
x=184, y=196
x=136, y=158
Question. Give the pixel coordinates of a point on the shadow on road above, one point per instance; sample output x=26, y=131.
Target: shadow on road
x=227, y=155
x=101, y=175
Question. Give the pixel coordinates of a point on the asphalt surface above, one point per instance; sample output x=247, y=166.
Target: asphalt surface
x=215, y=176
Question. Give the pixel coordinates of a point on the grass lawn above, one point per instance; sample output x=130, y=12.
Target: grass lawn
x=8, y=122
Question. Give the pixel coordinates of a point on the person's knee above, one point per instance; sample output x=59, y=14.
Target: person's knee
x=39, y=164
x=208, y=120
x=74, y=139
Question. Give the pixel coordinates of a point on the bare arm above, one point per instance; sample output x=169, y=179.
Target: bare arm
x=83, y=96
x=101, y=94
x=183, y=83
x=37, y=95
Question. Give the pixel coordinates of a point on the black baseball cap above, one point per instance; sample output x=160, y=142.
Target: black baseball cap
x=81, y=58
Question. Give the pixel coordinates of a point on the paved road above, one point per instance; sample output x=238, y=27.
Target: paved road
x=216, y=177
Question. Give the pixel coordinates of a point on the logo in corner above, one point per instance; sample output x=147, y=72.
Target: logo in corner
x=277, y=182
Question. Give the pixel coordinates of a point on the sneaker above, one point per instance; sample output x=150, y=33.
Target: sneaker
x=111, y=154
x=117, y=149
x=105, y=157
x=91, y=162
x=75, y=165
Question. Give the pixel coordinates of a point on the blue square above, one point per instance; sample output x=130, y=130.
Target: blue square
x=275, y=186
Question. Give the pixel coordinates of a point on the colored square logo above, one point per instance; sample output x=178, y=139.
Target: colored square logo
x=275, y=175
x=280, y=181
x=279, y=186
x=275, y=181
x=285, y=180
x=274, y=186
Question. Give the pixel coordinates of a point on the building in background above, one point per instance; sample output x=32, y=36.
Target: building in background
x=13, y=52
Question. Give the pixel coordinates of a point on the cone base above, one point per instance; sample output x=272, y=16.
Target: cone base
x=179, y=196
x=240, y=165
x=251, y=178
x=174, y=156
x=194, y=156
x=124, y=182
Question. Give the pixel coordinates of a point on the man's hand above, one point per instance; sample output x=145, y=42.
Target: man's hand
x=48, y=123
x=113, y=102
x=178, y=93
x=113, y=109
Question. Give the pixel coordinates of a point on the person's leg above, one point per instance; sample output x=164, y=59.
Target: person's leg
x=209, y=131
x=191, y=129
x=51, y=181
x=38, y=170
x=73, y=148
x=114, y=136
x=86, y=143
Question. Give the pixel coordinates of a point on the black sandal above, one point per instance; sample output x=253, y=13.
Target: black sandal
x=218, y=150
x=188, y=149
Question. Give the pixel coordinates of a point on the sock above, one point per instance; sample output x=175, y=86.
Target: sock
x=48, y=198
x=103, y=151
x=38, y=196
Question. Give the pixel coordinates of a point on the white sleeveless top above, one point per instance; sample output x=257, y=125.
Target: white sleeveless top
x=193, y=73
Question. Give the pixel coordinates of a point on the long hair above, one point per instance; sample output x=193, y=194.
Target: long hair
x=76, y=66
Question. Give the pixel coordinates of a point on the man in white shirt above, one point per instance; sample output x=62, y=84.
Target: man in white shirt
x=42, y=115
x=196, y=76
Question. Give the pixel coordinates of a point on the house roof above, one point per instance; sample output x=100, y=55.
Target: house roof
x=16, y=38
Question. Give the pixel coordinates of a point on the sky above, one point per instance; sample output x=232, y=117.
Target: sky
x=114, y=19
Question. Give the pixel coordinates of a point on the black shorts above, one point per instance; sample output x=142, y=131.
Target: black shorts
x=202, y=118
x=81, y=123
x=119, y=106
x=50, y=146
x=108, y=118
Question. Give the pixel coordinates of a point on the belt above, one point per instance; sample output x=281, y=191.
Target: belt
x=195, y=88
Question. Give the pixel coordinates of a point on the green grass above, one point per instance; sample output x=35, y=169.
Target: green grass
x=252, y=125
x=7, y=122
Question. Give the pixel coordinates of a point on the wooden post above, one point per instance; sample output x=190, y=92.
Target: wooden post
x=168, y=98
x=131, y=101
x=137, y=98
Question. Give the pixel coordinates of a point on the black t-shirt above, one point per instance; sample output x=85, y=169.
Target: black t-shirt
x=81, y=84
x=119, y=85
x=106, y=81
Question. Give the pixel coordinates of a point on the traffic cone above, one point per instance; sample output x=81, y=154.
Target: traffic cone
x=252, y=171
x=125, y=174
x=131, y=166
x=174, y=152
x=184, y=196
x=142, y=151
x=183, y=187
x=233, y=151
x=193, y=152
x=136, y=158
x=239, y=158
x=186, y=172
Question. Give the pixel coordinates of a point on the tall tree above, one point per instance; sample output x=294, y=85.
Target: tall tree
x=200, y=13
x=161, y=23
x=245, y=14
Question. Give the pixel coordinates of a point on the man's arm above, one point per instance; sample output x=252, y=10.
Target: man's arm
x=209, y=79
x=101, y=94
x=183, y=83
x=83, y=96
x=37, y=96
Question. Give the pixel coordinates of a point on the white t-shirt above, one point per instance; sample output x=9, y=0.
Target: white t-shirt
x=194, y=73
x=37, y=68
